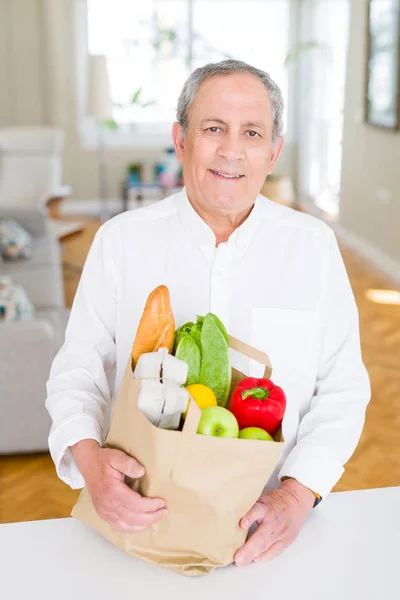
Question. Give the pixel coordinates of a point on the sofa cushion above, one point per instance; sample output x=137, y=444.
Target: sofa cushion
x=15, y=241
x=14, y=302
x=43, y=284
x=33, y=218
x=46, y=253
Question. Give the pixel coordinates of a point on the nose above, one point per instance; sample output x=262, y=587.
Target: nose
x=231, y=147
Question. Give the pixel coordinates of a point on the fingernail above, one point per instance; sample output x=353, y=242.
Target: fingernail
x=245, y=524
x=239, y=560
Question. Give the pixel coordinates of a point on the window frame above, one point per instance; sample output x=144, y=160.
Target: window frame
x=145, y=135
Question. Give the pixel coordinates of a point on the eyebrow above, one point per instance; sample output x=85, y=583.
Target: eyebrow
x=217, y=120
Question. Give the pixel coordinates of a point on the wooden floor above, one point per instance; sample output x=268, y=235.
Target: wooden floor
x=30, y=489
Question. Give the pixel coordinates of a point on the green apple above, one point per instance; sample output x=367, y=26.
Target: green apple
x=255, y=433
x=219, y=422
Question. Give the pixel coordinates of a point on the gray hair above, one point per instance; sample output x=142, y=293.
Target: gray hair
x=228, y=67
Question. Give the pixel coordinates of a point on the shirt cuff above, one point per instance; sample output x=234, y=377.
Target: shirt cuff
x=69, y=433
x=314, y=466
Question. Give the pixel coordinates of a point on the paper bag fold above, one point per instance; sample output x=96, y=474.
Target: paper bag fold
x=208, y=483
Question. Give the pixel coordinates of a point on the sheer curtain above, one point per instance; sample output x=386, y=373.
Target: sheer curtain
x=321, y=98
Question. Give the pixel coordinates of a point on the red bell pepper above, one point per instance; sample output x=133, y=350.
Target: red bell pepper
x=258, y=403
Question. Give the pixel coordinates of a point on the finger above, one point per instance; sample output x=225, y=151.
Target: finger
x=260, y=541
x=271, y=553
x=134, y=502
x=149, y=505
x=256, y=513
x=140, y=521
x=124, y=527
x=126, y=464
x=147, y=519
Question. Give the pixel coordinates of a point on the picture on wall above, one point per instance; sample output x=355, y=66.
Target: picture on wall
x=382, y=98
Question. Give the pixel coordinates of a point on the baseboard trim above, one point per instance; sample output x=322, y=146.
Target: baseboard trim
x=382, y=261
x=386, y=264
x=89, y=207
x=98, y=209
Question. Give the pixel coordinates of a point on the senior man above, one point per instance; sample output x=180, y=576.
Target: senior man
x=273, y=275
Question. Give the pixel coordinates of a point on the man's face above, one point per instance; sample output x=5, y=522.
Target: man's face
x=228, y=151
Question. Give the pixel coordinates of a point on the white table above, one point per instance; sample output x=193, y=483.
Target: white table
x=348, y=549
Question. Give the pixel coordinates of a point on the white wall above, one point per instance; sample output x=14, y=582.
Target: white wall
x=22, y=72
x=371, y=156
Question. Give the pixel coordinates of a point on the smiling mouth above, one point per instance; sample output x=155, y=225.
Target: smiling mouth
x=226, y=175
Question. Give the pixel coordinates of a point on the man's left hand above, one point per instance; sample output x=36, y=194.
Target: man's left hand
x=280, y=514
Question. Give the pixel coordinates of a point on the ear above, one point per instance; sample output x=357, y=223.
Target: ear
x=179, y=141
x=276, y=150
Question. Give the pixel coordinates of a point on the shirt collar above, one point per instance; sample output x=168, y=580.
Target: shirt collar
x=203, y=236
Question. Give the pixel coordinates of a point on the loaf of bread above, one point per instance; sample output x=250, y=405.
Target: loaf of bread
x=157, y=325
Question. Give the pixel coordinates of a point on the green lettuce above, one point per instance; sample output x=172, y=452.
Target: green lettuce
x=215, y=369
x=204, y=345
x=187, y=347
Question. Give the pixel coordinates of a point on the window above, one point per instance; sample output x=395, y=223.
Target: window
x=153, y=46
x=322, y=87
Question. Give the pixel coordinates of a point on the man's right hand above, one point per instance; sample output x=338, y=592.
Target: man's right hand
x=104, y=473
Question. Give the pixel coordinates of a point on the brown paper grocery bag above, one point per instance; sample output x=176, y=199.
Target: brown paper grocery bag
x=208, y=483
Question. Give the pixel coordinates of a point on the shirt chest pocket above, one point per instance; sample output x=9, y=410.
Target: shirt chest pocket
x=290, y=338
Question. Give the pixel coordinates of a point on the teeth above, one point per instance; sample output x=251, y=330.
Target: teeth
x=227, y=176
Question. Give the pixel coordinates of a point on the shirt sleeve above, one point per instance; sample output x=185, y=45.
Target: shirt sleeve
x=330, y=431
x=79, y=388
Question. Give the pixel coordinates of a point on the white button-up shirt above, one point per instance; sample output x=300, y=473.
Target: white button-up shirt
x=278, y=283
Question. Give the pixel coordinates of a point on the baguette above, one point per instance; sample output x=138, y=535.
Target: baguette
x=156, y=327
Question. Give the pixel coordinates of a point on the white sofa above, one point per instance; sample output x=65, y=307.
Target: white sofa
x=27, y=348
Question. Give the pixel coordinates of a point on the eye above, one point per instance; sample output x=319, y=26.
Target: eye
x=213, y=129
x=253, y=134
